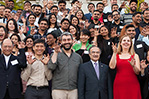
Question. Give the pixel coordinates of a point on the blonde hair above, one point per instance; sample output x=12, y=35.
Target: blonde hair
x=131, y=49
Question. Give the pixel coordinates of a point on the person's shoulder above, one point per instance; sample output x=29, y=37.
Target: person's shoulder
x=104, y=65
x=86, y=64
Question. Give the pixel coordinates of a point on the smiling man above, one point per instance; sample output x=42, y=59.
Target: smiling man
x=64, y=63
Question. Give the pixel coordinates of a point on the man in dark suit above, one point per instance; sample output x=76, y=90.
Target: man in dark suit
x=93, y=78
x=10, y=69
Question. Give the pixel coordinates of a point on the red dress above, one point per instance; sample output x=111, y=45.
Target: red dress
x=126, y=84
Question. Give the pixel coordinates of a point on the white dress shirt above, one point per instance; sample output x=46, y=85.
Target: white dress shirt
x=7, y=59
x=94, y=63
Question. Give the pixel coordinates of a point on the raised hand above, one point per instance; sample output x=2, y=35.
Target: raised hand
x=143, y=64
x=114, y=47
x=113, y=32
x=21, y=45
x=123, y=5
x=57, y=48
x=30, y=60
x=45, y=2
x=96, y=32
x=87, y=23
x=110, y=18
x=46, y=59
x=23, y=19
x=33, y=31
x=132, y=62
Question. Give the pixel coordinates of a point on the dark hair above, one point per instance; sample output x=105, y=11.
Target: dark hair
x=90, y=4
x=43, y=19
x=114, y=5
x=133, y=1
x=20, y=9
x=49, y=23
x=53, y=34
x=7, y=8
x=85, y=32
x=54, y=6
x=31, y=15
x=83, y=18
x=14, y=23
x=74, y=17
x=96, y=11
x=99, y=3
x=73, y=1
x=145, y=10
x=2, y=5
x=6, y=33
x=66, y=34
x=136, y=14
x=19, y=39
x=115, y=11
x=62, y=1
x=38, y=6
x=64, y=19
x=11, y=1
x=27, y=1
x=128, y=26
x=77, y=34
x=28, y=37
x=39, y=41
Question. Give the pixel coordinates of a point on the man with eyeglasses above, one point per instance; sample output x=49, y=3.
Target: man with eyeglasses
x=64, y=27
x=64, y=63
x=42, y=31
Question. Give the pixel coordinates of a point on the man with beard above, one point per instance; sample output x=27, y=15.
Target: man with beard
x=37, y=11
x=93, y=78
x=136, y=20
x=42, y=31
x=91, y=8
x=145, y=21
x=64, y=63
x=64, y=27
x=127, y=18
x=117, y=23
x=95, y=18
x=11, y=6
x=6, y=15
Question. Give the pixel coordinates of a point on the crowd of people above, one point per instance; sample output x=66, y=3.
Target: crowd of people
x=55, y=52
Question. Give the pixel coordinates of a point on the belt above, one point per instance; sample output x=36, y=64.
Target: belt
x=38, y=87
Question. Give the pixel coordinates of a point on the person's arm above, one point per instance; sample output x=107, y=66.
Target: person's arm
x=136, y=67
x=113, y=61
x=25, y=74
x=81, y=83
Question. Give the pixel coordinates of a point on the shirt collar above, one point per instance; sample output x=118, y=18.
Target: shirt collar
x=93, y=62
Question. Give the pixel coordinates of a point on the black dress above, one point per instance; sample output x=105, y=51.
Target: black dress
x=84, y=54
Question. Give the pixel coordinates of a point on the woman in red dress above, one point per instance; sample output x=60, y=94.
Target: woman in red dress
x=127, y=64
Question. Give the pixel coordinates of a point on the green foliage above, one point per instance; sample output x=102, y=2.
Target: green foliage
x=138, y=6
x=18, y=4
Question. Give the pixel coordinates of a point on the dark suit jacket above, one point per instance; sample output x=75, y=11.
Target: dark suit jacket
x=57, y=32
x=89, y=87
x=141, y=48
x=11, y=76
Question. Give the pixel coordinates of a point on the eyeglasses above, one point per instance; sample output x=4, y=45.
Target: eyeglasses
x=115, y=14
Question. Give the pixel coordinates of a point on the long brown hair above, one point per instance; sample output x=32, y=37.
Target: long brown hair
x=131, y=49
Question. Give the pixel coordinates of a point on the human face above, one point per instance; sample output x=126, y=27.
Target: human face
x=62, y=6
x=125, y=43
x=115, y=8
x=50, y=40
x=54, y=10
x=100, y=7
x=113, y=1
x=7, y=12
x=91, y=8
x=2, y=34
x=27, y=7
x=43, y=25
x=39, y=49
x=75, y=21
x=7, y=47
x=84, y=38
x=72, y=30
x=11, y=5
x=137, y=18
x=50, y=4
x=2, y=8
x=11, y=26
x=53, y=19
x=37, y=11
x=14, y=39
x=131, y=32
x=31, y=19
x=143, y=6
x=65, y=25
x=116, y=16
x=94, y=54
x=92, y=32
x=79, y=14
x=146, y=15
x=104, y=31
x=29, y=43
x=96, y=15
x=66, y=42
x=19, y=12
x=133, y=6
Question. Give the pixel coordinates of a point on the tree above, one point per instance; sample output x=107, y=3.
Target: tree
x=18, y=4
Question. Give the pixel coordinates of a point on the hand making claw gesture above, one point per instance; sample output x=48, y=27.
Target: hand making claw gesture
x=30, y=60
x=143, y=65
x=46, y=59
x=132, y=62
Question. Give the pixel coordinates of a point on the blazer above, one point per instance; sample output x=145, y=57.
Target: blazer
x=10, y=77
x=140, y=48
x=89, y=86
